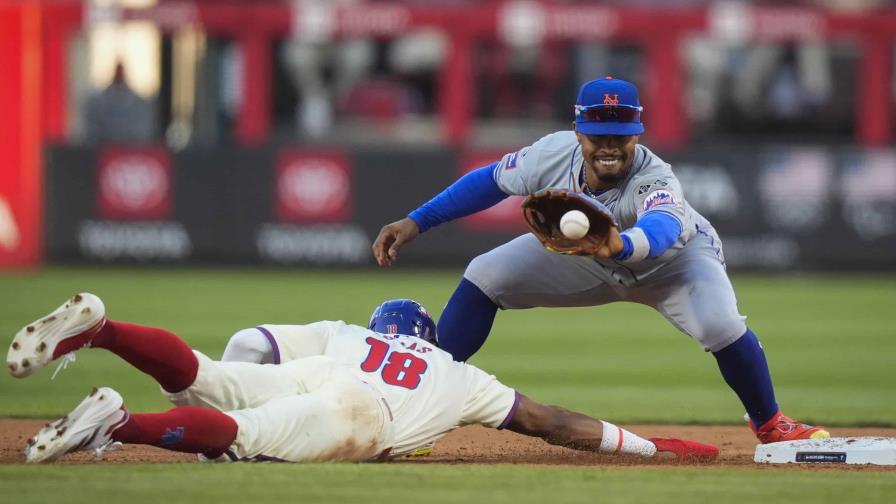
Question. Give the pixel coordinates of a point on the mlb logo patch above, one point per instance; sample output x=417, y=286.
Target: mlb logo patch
x=657, y=198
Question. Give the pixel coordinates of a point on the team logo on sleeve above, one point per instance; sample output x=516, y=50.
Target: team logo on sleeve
x=660, y=197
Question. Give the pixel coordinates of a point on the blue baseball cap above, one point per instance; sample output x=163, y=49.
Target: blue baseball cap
x=608, y=106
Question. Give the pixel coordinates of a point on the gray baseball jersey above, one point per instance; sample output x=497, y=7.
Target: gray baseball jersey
x=687, y=283
x=555, y=162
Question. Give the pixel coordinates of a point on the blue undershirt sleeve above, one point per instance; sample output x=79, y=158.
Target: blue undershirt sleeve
x=661, y=230
x=472, y=193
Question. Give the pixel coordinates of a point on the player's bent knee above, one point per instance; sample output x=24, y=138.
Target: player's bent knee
x=717, y=333
x=249, y=345
x=490, y=274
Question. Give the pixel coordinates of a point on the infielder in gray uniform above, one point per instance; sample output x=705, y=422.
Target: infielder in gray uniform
x=667, y=255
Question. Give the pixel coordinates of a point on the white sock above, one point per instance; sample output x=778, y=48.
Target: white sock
x=618, y=440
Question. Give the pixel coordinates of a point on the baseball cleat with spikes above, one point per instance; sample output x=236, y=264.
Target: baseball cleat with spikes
x=686, y=451
x=784, y=428
x=88, y=427
x=58, y=334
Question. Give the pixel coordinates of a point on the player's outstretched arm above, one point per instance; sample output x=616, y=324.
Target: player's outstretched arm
x=471, y=193
x=562, y=427
x=391, y=238
x=556, y=425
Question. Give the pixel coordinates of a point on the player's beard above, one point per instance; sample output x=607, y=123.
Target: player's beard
x=610, y=175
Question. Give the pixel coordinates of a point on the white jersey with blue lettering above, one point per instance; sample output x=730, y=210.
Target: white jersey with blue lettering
x=556, y=162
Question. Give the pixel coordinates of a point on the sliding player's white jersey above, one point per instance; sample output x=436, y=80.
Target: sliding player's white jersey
x=424, y=390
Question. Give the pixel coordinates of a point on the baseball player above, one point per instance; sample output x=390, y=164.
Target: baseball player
x=348, y=393
x=667, y=255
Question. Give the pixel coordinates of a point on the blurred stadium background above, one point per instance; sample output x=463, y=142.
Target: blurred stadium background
x=166, y=136
x=287, y=132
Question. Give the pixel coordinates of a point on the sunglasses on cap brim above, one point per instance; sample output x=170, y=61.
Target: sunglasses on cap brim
x=609, y=113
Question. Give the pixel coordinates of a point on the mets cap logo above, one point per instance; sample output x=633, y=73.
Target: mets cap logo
x=611, y=101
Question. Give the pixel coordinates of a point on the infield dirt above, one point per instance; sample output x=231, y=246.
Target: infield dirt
x=478, y=445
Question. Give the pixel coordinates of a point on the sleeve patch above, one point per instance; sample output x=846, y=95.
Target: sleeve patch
x=647, y=187
x=510, y=160
x=660, y=197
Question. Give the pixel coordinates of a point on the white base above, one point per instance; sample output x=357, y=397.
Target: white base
x=843, y=450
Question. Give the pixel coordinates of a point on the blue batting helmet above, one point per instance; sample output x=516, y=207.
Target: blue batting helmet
x=403, y=316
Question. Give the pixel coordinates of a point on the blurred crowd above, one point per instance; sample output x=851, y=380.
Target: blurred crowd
x=735, y=86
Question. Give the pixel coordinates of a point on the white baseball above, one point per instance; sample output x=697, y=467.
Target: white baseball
x=574, y=224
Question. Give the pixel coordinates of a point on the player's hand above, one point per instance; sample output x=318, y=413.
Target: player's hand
x=613, y=245
x=391, y=238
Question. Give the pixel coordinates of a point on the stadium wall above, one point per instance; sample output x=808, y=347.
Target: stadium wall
x=777, y=207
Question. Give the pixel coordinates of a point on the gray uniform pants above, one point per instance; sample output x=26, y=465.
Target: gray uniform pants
x=692, y=290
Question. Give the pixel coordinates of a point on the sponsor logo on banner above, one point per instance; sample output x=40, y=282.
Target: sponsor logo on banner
x=134, y=184
x=313, y=187
x=868, y=185
x=709, y=188
x=315, y=244
x=795, y=188
x=763, y=251
x=506, y=215
x=134, y=241
x=660, y=197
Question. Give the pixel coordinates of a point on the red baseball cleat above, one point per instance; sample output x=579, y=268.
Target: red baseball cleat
x=686, y=451
x=784, y=428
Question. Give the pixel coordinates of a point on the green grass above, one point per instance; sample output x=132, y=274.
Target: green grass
x=393, y=483
x=830, y=342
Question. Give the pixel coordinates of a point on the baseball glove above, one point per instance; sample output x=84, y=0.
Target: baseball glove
x=544, y=209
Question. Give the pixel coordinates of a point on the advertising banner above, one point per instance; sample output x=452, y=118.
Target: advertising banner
x=135, y=184
x=776, y=207
x=314, y=202
x=134, y=208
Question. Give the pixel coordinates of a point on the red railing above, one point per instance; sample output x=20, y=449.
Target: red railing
x=659, y=31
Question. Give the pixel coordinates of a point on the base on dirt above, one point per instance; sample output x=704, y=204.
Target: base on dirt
x=841, y=450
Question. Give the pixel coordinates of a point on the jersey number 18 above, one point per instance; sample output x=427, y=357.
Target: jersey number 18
x=401, y=369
